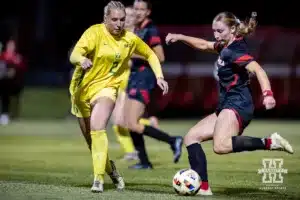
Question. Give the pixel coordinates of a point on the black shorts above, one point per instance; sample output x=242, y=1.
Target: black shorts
x=140, y=84
x=243, y=109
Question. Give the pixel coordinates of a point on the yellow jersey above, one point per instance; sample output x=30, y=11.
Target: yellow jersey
x=109, y=55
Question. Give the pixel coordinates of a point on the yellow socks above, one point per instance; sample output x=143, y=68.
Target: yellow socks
x=123, y=136
x=145, y=121
x=99, y=153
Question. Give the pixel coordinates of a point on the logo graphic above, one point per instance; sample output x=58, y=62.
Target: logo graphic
x=272, y=172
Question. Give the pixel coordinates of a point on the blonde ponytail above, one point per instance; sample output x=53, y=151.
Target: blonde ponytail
x=247, y=27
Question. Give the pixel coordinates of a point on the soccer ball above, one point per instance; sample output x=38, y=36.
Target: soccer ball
x=186, y=182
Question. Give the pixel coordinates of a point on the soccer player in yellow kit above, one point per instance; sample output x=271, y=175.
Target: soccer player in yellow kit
x=122, y=133
x=101, y=56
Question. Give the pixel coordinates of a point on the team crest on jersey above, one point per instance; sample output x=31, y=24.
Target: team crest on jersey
x=221, y=62
x=126, y=45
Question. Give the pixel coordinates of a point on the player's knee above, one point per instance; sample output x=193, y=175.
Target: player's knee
x=190, y=138
x=133, y=126
x=95, y=126
x=220, y=148
x=119, y=122
x=193, y=136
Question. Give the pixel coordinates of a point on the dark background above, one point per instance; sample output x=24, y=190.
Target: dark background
x=49, y=27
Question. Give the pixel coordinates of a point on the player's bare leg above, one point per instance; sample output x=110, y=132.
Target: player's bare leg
x=101, y=112
x=132, y=118
x=226, y=139
x=154, y=121
x=227, y=126
x=201, y=132
x=137, y=109
x=118, y=112
x=134, y=111
x=122, y=133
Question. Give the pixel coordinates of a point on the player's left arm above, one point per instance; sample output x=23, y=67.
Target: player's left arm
x=264, y=83
x=243, y=59
x=142, y=49
x=261, y=75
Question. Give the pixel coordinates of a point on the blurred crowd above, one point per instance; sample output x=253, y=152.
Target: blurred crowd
x=12, y=69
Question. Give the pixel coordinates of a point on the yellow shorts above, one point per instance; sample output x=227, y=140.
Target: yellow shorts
x=81, y=104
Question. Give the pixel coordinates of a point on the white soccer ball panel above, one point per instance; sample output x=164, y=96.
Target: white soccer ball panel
x=186, y=182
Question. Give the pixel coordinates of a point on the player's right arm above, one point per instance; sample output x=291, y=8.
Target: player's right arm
x=194, y=42
x=83, y=47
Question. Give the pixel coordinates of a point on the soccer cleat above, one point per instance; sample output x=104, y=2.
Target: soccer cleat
x=279, y=143
x=206, y=192
x=130, y=156
x=177, y=148
x=116, y=178
x=204, y=189
x=97, y=187
x=141, y=166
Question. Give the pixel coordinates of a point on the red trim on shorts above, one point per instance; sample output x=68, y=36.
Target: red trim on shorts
x=145, y=95
x=239, y=118
x=132, y=92
x=142, y=68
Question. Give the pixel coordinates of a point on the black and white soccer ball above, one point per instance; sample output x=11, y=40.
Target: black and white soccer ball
x=186, y=182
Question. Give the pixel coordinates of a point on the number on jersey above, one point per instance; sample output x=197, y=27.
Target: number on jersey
x=113, y=67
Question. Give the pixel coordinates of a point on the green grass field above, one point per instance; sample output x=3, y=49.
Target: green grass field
x=49, y=160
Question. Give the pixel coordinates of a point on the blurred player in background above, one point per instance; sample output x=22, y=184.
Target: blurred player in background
x=12, y=69
x=123, y=134
x=130, y=21
x=141, y=83
x=101, y=56
x=235, y=108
